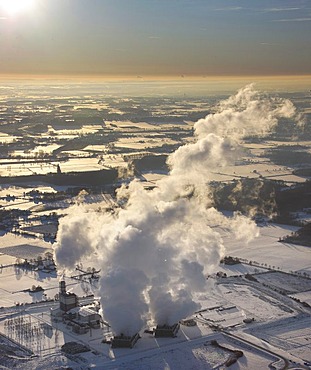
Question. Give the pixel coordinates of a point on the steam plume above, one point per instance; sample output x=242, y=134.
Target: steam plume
x=155, y=252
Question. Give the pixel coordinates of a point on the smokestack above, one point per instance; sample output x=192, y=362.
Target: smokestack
x=62, y=287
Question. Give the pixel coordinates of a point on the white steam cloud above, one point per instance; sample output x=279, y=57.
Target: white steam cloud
x=155, y=252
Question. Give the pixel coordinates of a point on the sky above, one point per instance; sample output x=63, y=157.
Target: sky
x=191, y=38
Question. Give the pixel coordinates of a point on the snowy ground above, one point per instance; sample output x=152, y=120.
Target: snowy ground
x=196, y=354
x=303, y=297
x=188, y=354
x=291, y=335
x=21, y=279
x=257, y=169
x=142, y=143
x=13, y=246
x=285, y=282
x=281, y=325
x=266, y=249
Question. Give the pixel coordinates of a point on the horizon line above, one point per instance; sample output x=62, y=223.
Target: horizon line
x=146, y=78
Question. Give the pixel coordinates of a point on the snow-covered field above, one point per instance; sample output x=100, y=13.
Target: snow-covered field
x=255, y=168
x=279, y=321
x=284, y=282
x=197, y=354
x=259, y=307
x=266, y=249
x=176, y=353
x=72, y=165
x=303, y=297
x=292, y=335
x=142, y=143
x=13, y=246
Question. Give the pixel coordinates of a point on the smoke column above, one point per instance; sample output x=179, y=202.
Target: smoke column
x=155, y=251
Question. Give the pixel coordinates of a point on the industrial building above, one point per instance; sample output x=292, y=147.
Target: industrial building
x=84, y=316
x=80, y=318
x=167, y=331
x=123, y=341
x=67, y=300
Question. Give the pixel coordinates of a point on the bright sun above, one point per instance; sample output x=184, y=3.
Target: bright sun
x=16, y=6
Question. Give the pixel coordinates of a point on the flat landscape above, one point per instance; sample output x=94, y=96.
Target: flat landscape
x=153, y=209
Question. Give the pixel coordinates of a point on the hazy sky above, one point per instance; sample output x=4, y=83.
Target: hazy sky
x=156, y=37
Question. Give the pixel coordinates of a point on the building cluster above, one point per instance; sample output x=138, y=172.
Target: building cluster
x=84, y=318
x=161, y=331
x=80, y=318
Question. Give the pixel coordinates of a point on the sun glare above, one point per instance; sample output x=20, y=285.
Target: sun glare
x=16, y=6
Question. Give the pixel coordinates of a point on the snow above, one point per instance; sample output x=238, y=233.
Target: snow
x=19, y=191
x=128, y=124
x=266, y=249
x=195, y=354
x=143, y=143
x=285, y=282
x=303, y=297
x=259, y=167
x=80, y=164
x=6, y=138
x=230, y=301
x=23, y=205
x=239, y=269
x=21, y=279
x=39, y=168
x=25, y=251
x=291, y=335
x=10, y=240
x=96, y=148
x=281, y=325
